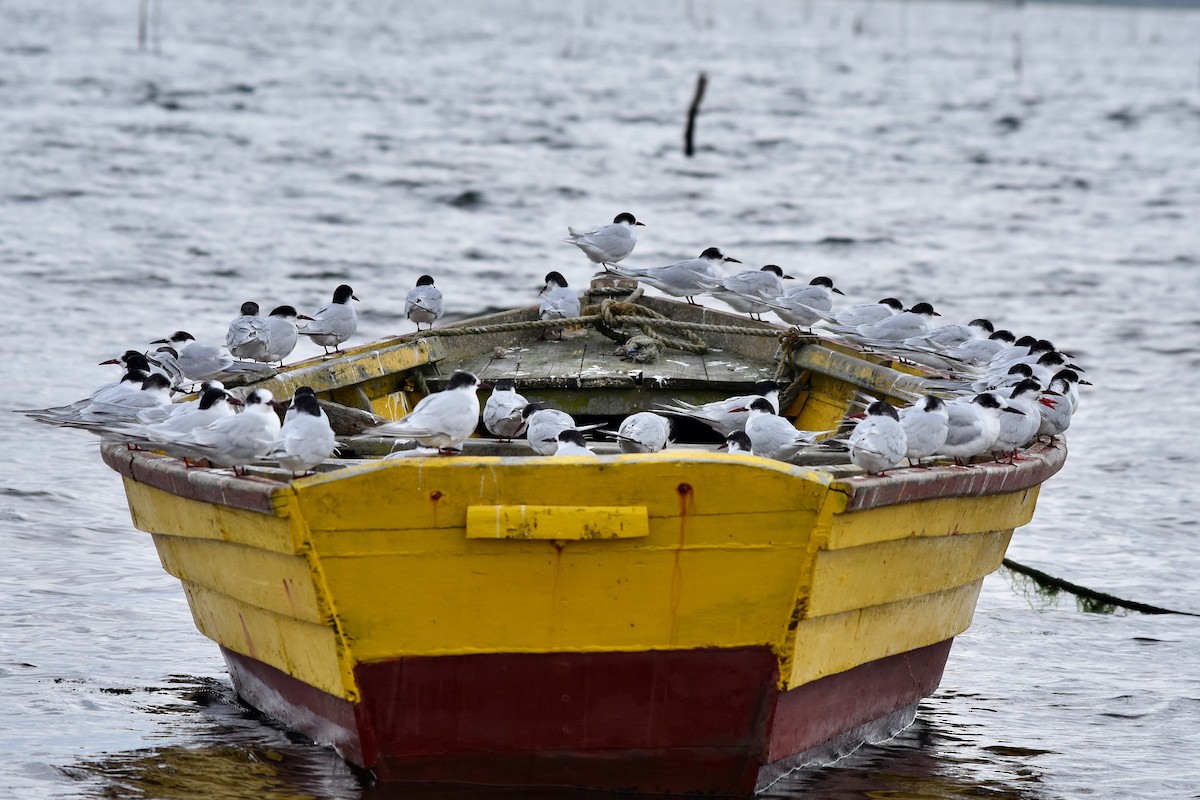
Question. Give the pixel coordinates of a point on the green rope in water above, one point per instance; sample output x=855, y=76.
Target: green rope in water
x=1091, y=595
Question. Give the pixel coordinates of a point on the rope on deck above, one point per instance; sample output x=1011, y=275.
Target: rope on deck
x=1093, y=600
x=790, y=342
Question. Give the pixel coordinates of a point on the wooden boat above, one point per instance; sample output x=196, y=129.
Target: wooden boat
x=685, y=621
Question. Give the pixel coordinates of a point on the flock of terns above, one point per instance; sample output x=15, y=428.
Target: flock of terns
x=1005, y=392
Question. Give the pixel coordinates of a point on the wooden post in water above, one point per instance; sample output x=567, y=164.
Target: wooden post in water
x=1018, y=61
x=142, y=21
x=149, y=24
x=688, y=146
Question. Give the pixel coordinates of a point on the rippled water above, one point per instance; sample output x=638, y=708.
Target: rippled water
x=271, y=150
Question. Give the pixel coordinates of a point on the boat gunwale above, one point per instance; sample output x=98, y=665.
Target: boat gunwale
x=865, y=370
x=216, y=487
x=902, y=485
x=1034, y=466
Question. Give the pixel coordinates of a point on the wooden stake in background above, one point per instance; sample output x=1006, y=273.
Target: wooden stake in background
x=688, y=146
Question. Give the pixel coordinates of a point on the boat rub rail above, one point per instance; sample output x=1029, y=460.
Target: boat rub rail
x=902, y=485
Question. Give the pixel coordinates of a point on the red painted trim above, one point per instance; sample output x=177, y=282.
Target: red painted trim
x=249, y=492
x=661, y=721
x=814, y=713
x=908, y=485
x=694, y=721
x=319, y=715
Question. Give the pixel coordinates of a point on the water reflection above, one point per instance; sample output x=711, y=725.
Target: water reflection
x=231, y=751
x=928, y=761
x=228, y=751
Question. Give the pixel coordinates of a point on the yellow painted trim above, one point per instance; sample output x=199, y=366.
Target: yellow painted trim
x=832, y=644
x=436, y=492
x=832, y=503
x=271, y=581
x=827, y=405
x=157, y=511
x=303, y=650
x=557, y=522
x=951, y=515
x=887, y=572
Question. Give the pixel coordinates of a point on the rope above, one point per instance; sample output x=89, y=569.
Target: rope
x=504, y=327
x=1094, y=600
x=790, y=342
x=616, y=314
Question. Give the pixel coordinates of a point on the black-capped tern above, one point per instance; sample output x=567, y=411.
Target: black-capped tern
x=729, y=415
x=424, y=303
x=233, y=441
x=973, y=425
x=247, y=334
x=1018, y=430
x=282, y=334
x=868, y=313
x=878, y=441
x=607, y=244
x=684, y=279
x=543, y=425
x=750, y=292
x=926, y=423
x=772, y=436
x=306, y=438
x=570, y=442
x=502, y=411
x=333, y=323
x=807, y=305
x=444, y=419
x=557, y=301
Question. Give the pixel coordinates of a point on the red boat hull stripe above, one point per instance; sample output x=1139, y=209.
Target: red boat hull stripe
x=661, y=721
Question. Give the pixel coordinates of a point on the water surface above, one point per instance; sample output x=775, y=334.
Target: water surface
x=1039, y=166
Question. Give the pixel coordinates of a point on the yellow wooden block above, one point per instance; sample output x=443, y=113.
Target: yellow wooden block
x=950, y=515
x=827, y=404
x=557, y=522
x=828, y=645
x=303, y=650
x=271, y=581
x=886, y=572
x=157, y=511
x=391, y=406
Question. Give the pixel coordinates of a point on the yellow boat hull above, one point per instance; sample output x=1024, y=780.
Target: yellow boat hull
x=739, y=576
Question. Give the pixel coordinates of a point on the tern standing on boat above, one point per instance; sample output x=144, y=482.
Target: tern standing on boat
x=443, y=420
x=424, y=303
x=878, y=442
x=247, y=334
x=607, y=244
x=334, y=323
x=558, y=302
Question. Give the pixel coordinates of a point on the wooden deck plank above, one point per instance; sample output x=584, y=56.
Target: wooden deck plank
x=671, y=366
x=590, y=361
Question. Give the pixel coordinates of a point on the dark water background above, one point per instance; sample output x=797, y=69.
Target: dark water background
x=271, y=150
